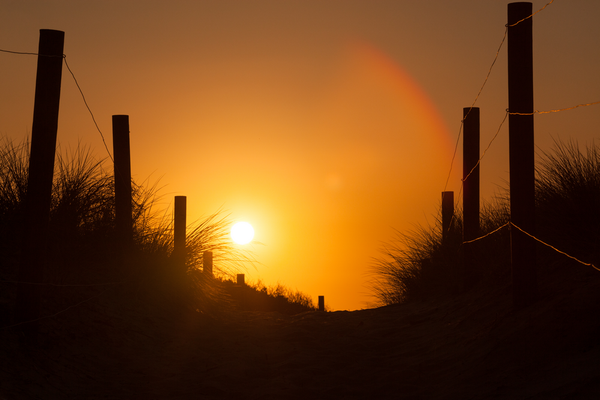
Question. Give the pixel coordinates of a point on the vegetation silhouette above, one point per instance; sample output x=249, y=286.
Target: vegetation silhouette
x=418, y=266
x=274, y=298
x=82, y=260
x=119, y=326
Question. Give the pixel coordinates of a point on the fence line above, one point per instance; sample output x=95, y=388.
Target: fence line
x=526, y=18
x=478, y=162
x=487, y=148
x=555, y=249
x=486, y=235
x=473, y=105
x=88, y=107
x=64, y=56
x=515, y=113
x=483, y=85
x=511, y=224
x=558, y=110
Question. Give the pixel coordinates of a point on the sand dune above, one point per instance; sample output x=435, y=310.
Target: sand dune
x=468, y=347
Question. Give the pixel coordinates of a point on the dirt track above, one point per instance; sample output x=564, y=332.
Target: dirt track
x=468, y=348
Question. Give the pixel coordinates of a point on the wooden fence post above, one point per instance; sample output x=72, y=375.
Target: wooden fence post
x=521, y=149
x=39, y=186
x=179, y=230
x=471, y=228
x=122, y=176
x=207, y=263
x=447, y=213
x=240, y=279
x=321, y=303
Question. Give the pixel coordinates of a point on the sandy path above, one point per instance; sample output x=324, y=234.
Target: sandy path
x=464, y=348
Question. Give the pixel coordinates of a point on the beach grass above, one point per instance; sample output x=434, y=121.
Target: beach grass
x=83, y=254
x=417, y=265
x=141, y=325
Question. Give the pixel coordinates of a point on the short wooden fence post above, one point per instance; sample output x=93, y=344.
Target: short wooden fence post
x=240, y=279
x=207, y=263
x=447, y=213
x=179, y=230
x=122, y=176
x=321, y=303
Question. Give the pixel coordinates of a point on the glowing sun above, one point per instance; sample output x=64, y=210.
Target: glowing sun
x=242, y=232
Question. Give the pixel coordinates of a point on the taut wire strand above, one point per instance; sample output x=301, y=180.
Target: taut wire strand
x=487, y=234
x=488, y=147
x=64, y=57
x=521, y=20
x=536, y=239
x=473, y=105
x=558, y=110
x=555, y=249
x=88, y=107
x=25, y=53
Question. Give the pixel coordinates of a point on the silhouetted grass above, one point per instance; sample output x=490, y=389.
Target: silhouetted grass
x=14, y=164
x=568, y=199
x=85, y=258
x=83, y=253
x=417, y=265
x=259, y=297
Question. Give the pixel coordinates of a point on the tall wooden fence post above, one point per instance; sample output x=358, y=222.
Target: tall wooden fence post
x=521, y=149
x=471, y=228
x=321, y=303
x=447, y=213
x=39, y=186
x=122, y=176
x=179, y=230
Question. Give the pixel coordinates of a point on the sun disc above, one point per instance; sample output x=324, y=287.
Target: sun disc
x=242, y=232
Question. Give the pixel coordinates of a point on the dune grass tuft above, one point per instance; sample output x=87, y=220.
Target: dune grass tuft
x=260, y=297
x=83, y=254
x=417, y=265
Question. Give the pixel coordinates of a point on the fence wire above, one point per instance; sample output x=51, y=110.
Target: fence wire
x=64, y=57
x=511, y=224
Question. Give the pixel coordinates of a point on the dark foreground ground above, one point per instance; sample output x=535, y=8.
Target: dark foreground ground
x=468, y=347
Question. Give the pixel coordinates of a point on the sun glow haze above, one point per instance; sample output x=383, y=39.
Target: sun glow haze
x=371, y=156
x=330, y=127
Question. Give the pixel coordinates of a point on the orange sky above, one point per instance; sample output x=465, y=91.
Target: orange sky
x=325, y=124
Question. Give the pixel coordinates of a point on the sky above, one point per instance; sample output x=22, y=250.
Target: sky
x=328, y=125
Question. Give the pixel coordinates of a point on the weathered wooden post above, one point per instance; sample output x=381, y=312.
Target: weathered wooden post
x=240, y=279
x=122, y=176
x=447, y=213
x=471, y=228
x=207, y=263
x=521, y=149
x=321, y=303
x=179, y=230
x=39, y=186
